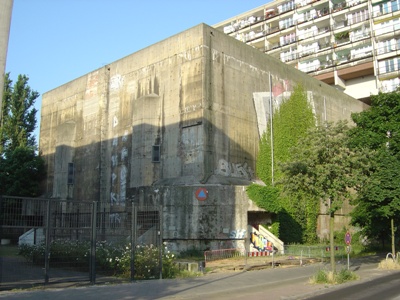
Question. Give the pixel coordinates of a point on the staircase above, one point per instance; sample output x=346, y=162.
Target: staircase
x=263, y=240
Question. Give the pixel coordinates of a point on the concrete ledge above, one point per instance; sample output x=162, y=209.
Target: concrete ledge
x=5, y=242
x=188, y=266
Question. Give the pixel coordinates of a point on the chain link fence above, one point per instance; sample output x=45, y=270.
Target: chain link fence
x=49, y=241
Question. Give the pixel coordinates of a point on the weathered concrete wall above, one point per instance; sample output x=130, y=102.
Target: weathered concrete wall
x=217, y=221
x=193, y=95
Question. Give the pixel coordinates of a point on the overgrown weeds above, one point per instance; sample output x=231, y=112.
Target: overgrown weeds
x=389, y=264
x=328, y=277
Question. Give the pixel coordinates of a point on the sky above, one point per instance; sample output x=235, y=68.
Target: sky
x=55, y=41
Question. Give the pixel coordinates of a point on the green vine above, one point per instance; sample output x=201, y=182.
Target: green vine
x=297, y=218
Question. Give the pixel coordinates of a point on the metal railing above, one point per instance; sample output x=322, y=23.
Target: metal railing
x=48, y=241
x=292, y=254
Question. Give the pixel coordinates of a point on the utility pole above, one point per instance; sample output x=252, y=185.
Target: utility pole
x=5, y=23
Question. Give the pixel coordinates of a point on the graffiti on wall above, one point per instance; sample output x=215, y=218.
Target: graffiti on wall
x=260, y=243
x=237, y=234
x=116, y=82
x=119, y=171
x=240, y=170
x=115, y=220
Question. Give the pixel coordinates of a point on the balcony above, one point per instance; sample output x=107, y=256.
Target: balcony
x=382, y=9
x=338, y=6
x=389, y=28
x=389, y=67
x=390, y=85
x=341, y=38
x=242, y=24
x=288, y=56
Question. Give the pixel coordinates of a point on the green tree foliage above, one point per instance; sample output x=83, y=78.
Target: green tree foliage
x=18, y=120
x=21, y=168
x=324, y=167
x=290, y=123
x=373, y=124
x=378, y=201
x=21, y=172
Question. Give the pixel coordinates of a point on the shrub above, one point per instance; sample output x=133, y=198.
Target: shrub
x=112, y=258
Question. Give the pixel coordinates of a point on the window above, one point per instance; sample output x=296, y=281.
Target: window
x=390, y=67
x=395, y=5
x=155, y=156
x=286, y=23
x=70, y=179
x=385, y=8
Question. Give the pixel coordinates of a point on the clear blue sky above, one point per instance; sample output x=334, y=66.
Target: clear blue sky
x=56, y=41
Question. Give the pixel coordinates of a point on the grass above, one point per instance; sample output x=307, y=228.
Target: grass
x=328, y=277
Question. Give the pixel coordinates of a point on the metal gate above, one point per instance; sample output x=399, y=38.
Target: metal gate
x=48, y=241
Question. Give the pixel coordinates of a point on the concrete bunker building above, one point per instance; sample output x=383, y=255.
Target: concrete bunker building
x=176, y=124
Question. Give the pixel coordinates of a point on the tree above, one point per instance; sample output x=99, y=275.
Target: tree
x=18, y=121
x=378, y=201
x=21, y=168
x=325, y=168
x=21, y=172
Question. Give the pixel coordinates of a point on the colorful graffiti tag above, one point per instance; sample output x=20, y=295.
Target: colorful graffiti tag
x=260, y=243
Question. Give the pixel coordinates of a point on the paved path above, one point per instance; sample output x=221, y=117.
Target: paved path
x=279, y=283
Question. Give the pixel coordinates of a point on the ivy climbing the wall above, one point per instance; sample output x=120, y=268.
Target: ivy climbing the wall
x=297, y=217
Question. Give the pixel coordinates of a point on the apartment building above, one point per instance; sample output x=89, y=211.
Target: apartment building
x=353, y=45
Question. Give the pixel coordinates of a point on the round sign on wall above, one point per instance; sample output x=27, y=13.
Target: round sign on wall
x=201, y=194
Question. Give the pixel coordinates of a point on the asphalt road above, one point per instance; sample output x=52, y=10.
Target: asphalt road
x=278, y=283
x=386, y=287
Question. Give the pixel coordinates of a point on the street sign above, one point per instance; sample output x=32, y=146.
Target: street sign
x=201, y=194
x=347, y=238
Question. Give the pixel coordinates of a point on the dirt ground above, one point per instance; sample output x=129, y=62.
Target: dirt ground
x=254, y=263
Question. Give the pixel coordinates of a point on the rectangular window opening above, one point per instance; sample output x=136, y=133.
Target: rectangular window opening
x=155, y=156
x=70, y=180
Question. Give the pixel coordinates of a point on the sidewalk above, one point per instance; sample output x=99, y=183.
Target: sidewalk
x=278, y=283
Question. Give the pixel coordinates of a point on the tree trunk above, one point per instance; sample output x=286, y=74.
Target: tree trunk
x=393, y=247
x=332, y=242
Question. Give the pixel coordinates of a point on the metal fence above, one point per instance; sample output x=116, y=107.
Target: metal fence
x=318, y=252
x=292, y=254
x=49, y=241
x=213, y=255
